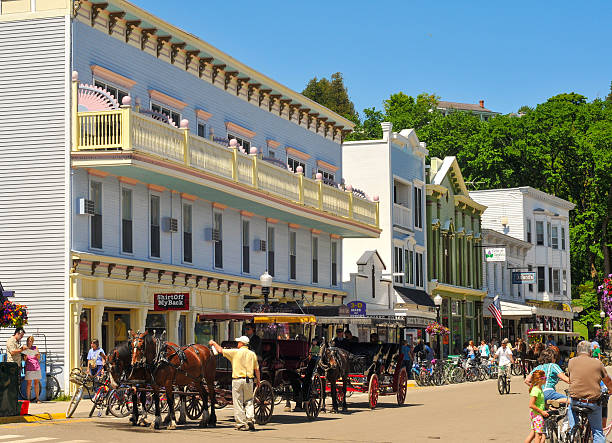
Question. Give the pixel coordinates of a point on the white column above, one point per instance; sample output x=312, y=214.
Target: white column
x=190, y=326
x=139, y=319
x=96, y=322
x=172, y=329
x=75, y=344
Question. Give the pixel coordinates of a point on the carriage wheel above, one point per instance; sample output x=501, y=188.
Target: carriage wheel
x=263, y=402
x=373, y=391
x=194, y=407
x=402, y=386
x=314, y=402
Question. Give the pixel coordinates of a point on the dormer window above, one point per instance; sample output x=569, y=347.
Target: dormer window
x=114, y=91
x=174, y=116
x=246, y=145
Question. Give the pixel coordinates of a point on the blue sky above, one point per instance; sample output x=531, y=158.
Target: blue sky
x=509, y=54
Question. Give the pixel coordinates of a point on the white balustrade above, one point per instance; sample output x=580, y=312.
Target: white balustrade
x=278, y=181
x=402, y=216
x=335, y=201
x=158, y=138
x=209, y=157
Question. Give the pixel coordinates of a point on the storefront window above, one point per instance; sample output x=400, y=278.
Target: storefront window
x=156, y=323
x=121, y=325
x=206, y=331
x=85, y=334
x=182, y=330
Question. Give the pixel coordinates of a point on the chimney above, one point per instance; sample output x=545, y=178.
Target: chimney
x=481, y=103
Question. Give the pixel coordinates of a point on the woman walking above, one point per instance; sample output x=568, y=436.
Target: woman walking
x=96, y=358
x=536, y=408
x=32, y=369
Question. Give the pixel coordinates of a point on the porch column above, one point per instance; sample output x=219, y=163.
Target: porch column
x=190, y=326
x=138, y=319
x=172, y=330
x=96, y=322
x=75, y=342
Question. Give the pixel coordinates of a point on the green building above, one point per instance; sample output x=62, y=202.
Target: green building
x=454, y=253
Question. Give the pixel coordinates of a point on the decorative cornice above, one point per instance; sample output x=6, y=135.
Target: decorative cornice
x=128, y=180
x=218, y=205
x=156, y=188
x=97, y=173
x=189, y=197
x=202, y=114
x=233, y=127
x=297, y=153
x=272, y=221
x=246, y=213
x=272, y=144
x=294, y=226
x=113, y=77
x=166, y=99
x=324, y=165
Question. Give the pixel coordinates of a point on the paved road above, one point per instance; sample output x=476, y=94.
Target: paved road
x=469, y=412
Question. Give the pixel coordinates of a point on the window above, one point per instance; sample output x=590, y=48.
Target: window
x=419, y=270
x=563, y=239
x=548, y=235
x=541, y=282
x=530, y=269
x=270, y=247
x=460, y=260
x=246, y=263
x=334, y=263
x=115, y=92
x=555, y=238
x=409, y=259
x=96, y=219
x=539, y=233
x=154, y=222
x=292, y=255
x=126, y=220
x=398, y=265
x=550, y=281
x=174, y=116
x=202, y=130
x=293, y=164
x=187, y=233
x=564, y=282
x=528, y=230
x=327, y=176
x=246, y=145
x=556, y=282
x=218, y=229
x=271, y=153
x=418, y=207
x=315, y=260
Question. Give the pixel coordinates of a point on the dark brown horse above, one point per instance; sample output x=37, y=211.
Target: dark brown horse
x=335, y=363
x=172, y=366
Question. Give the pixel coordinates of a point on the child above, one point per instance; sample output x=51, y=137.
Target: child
x=536, y=406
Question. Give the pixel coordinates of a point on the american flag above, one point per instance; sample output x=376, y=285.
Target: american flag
x=495, y=309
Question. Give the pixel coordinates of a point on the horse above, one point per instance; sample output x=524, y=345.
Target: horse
x=170, y=365
x=335, y=363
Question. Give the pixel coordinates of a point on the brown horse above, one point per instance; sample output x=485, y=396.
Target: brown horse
x=172, y=366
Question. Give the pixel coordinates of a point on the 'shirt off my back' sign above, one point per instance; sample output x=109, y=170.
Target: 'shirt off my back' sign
x=171, y=302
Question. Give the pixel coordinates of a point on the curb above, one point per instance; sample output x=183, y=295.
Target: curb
x=45, y=416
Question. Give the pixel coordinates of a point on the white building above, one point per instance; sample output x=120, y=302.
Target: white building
x=541, y=220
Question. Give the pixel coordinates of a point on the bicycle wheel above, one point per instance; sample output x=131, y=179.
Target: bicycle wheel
x=53, y=387
x=98, y=399
x=501, y=385
x=416, y=377
x=118, y=403
x=515, y=369
x=507, y=384
x=74, y=401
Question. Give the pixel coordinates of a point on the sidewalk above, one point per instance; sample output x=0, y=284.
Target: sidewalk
x=49, y=410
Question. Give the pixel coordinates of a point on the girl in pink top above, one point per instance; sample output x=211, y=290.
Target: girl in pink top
x=32, y=370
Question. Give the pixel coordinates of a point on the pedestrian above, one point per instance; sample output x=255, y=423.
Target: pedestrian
x=596, y=351
x=32, y=369
x=406, y=351
x=349, y=337
x=244, y=370
x=96, y=358
x=83, y=338
x=338, y=338
x=314, y=347
x=471, y=350
x=484, y=349
x=536, y=406
x=14, y=348
x=553, y=372
x=254, y=340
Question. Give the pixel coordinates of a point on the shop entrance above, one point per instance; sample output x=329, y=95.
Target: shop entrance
x=116, y=323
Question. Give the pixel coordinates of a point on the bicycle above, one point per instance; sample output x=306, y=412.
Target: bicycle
x=503, y=381
x=517, y=367
x=84, y=382
x=554, y=424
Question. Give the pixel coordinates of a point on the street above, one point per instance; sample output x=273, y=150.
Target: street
x=473, y=412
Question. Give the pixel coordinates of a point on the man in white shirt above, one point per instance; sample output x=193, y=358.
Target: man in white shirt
x=505, y=359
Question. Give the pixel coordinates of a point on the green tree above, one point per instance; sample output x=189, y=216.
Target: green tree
x=333, y=95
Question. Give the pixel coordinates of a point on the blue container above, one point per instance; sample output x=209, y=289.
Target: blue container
x=43, y=381
x=2, y=358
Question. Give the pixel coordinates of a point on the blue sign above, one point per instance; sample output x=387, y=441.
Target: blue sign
x=8, y=293
x=519, y=278
x=357, y=308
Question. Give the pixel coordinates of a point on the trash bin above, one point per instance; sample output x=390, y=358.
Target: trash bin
x=9, y=388
x=43, y=380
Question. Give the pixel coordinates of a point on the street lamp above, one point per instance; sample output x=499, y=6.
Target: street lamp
x=534, y=319
x=266, y=282
x=438, y=302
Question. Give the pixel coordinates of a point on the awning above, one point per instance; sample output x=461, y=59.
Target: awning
x=258, y=318
x=508, y=309
x=414, y=296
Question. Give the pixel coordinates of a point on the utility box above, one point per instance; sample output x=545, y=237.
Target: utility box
x=9, y=389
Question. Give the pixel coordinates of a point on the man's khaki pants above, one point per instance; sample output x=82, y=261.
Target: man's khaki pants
x=242, y=397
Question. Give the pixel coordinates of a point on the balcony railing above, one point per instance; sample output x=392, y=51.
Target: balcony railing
x=127, y=130
x=402, y=216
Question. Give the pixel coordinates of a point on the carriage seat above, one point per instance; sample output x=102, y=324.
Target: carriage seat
x=292, y=352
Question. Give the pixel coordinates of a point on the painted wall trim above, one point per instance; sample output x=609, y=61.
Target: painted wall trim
x=113, y=77
x=297, y=153
x=233, y=127
x=202, y=114
x=324, y=165
x=166, y=99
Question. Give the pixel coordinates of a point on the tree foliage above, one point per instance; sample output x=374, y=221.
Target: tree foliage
x=333, y=95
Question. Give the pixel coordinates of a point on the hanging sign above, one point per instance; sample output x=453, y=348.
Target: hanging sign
x=495, y=254
x=171, y=302
x=357, y=308
x=519, y=278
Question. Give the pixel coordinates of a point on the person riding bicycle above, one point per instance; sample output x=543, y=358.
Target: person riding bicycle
x=505, y=358
x=585, y=374
x=553, y=374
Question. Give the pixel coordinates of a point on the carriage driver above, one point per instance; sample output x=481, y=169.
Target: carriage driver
x=244, y=370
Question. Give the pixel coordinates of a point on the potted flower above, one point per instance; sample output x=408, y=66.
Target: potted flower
x=13, y=315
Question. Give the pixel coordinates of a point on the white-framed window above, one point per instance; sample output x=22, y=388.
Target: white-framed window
x=398, y=265
x=270, y=248
x=555, y=237
x=564, y=282
x=294, y=163
x=201, y=129
x=409, y=271
x=315, y=259
x=246, y=145
x=327, y=176
x=419, y=270
x=173, y=115
x=556, y=281
x=563, y=238
x=187, y=233
x=334, y=263
x=154, y=225
x=548, y=234
x=528, y=224
x=115, y=91
x=418, y=207
x=126, y=221
x=218, y=242
x=292, y=255
x=271, y=153
x=96, y=218
x=539, y=233
x=246, y=261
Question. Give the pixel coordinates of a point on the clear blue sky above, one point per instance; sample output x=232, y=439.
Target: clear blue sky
x=507, y=53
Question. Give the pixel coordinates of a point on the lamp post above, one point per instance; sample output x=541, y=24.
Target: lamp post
x=266, y=282
x=438, y=302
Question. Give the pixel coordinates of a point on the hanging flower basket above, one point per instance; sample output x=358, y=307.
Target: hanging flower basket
x=436, y=328
x=605, y=293
x=13, y=315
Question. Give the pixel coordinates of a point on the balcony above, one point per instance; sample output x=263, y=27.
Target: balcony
x=124, y=131
x=402, y=216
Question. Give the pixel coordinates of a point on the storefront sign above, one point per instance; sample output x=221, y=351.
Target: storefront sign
x=520, y=278
x=495, y=254
x=171, y=302
x=357, y=308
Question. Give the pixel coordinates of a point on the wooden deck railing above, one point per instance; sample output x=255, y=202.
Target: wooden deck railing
x=125, y=129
